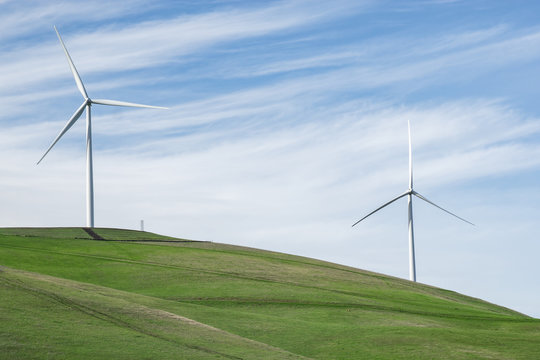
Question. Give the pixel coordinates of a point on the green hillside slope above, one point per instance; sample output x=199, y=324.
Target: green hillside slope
x=136, y=295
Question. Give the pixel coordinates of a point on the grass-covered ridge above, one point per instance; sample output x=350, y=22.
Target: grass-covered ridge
x=85, y=233
x=141, y=295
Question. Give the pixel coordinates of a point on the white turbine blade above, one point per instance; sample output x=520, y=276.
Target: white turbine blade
x=71, y=121
x=380, y=207
x=410, y=156
x=73, y=69
x=437, y=206
x=124, y=103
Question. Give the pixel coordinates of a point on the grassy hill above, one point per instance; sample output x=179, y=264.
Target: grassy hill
x=137, y=295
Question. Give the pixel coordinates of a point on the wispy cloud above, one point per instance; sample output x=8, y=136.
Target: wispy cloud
x=18, y=20
x=152, y=43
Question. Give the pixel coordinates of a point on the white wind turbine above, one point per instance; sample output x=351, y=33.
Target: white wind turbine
x=409, y=193
x=87, y=103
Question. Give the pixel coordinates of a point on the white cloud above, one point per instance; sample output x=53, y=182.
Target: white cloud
x=153, y=43
x=18, y=19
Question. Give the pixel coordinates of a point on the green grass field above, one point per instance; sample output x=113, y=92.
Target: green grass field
x=146, y=296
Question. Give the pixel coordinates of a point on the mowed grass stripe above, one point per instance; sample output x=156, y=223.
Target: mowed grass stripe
x=94, y=312
x=363, y=294
x=194, y=270
x=131, y=316
x=362, y=299
x=279, y=259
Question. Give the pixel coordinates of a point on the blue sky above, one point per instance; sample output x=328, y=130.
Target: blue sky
x=287, y=123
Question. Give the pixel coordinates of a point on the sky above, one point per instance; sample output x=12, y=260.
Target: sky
x=287, y=122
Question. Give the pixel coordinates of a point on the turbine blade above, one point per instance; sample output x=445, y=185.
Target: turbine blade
x=124, y=103
x=437, y=206
x=380, y=207
x=71, y=121
x=72, y=66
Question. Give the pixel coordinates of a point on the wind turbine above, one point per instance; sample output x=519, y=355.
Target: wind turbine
x=409, y=194
x=87, y=103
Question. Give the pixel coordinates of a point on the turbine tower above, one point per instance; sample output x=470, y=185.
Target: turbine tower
x=86, y=105
x=409, y=194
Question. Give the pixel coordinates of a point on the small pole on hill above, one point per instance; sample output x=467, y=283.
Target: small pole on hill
x=142, y=225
